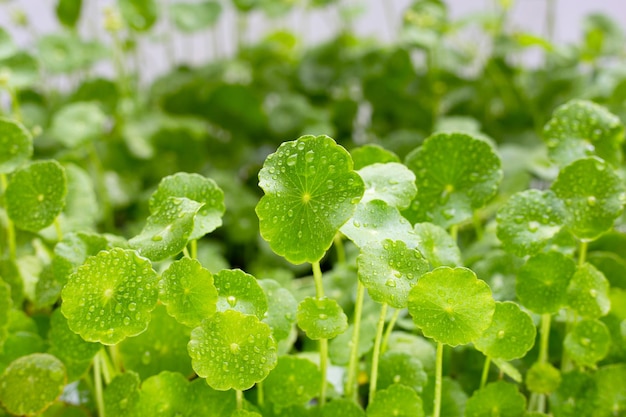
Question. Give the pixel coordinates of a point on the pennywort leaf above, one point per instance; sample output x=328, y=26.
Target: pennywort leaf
x=396, y=400
x=293, y=381
x=392, y=182
x=496, y=399
x=241, y=292
x=16, y=145
x=588, y=342
x=78, y=123
x=321, y=318
x=588, y=292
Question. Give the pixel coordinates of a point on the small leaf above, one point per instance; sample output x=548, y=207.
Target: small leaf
x=389, y=270
x=528, y=220
x=588, y=342
x=511, y=333
x=611, y=380
x=498, y=399
x=588, y=292
x=576, y=396
x=193, y=17
x=542, y=282
x=187, y=289
x=543, y=378
x=73, y=250
x=281, y=309
x=197, y=188
x=68, y=12
x=35, y=195
x=122, y=394
x=451, y=306
x=30, y=384
x=139, y=14
x=165, y=394
x=391, y=182
x=22, y=70
x=593, y=194
x=321, y=318
x=78, y=124
x=401, y=368
x=310, y=190
x=241, y=292
x=342, y=407
x=437, y=245
x=67, y=345
x=371, y=154
x=397, y=400
x=110, y=296
x=167, y=231
x=294, y=381
x=509, y=370
x=16, y=145
x=232, y=350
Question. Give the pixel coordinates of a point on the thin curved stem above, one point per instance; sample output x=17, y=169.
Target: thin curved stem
x=323, y=369
x=354, y=348
x=97, y=377
x=317, y=276
x=485, y=374
x=438, y=380
x=376, y=354
x=582, y=252
x=58, y=230
x=193, y=246
x=239, y=395
x=390, y=326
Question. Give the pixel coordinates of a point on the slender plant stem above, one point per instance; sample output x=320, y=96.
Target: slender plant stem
x=57, y=228
x=193, y=246
x=354, y=343
x=485, y=374
x=105, y=366
x=582, y=252
x=323, y=369
x=239, y=394
x=545, y=337
x=97, y=377
x=341, y=252
x=317, y=276
x=390, y=326
x=478, y=226
x=438, y=380
x=186, y=252
x=376, y=354
x=454, y=231
x=10, y=226
x=115, y=358
x=260, y=394
x=15, y=104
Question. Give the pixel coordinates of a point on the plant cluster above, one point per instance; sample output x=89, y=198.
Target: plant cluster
x=169, y=248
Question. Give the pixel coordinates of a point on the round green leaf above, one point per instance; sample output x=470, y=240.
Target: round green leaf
x=35, y=195
x=187, y=289
x=78, y=123
x=342, y=407
x=16, y=145
x=401, y=368
x=588, y=342
x=293, y=381
x=167, y=231
x=579, y=129
x=139, y=14
x=611, y=380
x=192, y=17
x=437, y=245
x=321, y=318
x=543, y=378
x=542, y=282
x=451, y=306
x=389, y=269
x=593, y=194
x=510, y=335
x=22, y=70
x=73, y=250
x=241, y=292
x=498, y=399
x=197, y=188
x=165, y=394
x=110, y=296
x=67, y=345
x=371, y=154
x=68, y=12
x=122, y=394
x=588, y=292
x=576, y=396
x=391, y=182
x=281, y=309
x=30, y=384
x=455, y=174
x=310, y=190
x=528, y=220
x=397, y=400
x=232, y=350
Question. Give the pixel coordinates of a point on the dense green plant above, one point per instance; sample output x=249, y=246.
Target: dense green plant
x=343, y=229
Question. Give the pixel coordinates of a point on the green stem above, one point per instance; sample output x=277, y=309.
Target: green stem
x=341, y=252
x=260, y=395
x=323, y=369
x=186, y=252
x=115, y=358
x=376, y=354
x=193, y=246
x=57, y=228
x=438, y=380
x=582, y=252
x=454, y=231
x=10, y=226
x=545, y=337
x=390, y=326
x=354, y=347
x=15, y=104
x=485, y=374
x=317, y=276
x=478, y=226
x=239, y=395
x=97, y=377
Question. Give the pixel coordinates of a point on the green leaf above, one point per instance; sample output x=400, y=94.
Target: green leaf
x=187, y=289
x=611, y=380
x=67, y=345
x=389, y=270
x=77, y=124
x=165, y=394
x=199, y=189
x=310, y=190
x=498, y=399
x=576, y=396
x=397, y=400
x=81, y=211
x=579, y=129
x=455, y=174
x=437, y=245
x=139, y=14
x=35, y=195
x=245, y=413
x=588, y=342
x=73, y=250
x=281, y=309
x=528, y=220
x=588, y=292
x=110, y=296
x=68, y=12
x=543, y=378
x=122, y=394
x=22, y=70
x=391, y=182
x=371, y=154
x=6, y=303
x=30, y=384
x=232, y=350
x=451, y=306
x=192, y=17
x=542, y=282
x=509, y=370
x=339, y=349
x=16, y=145
x=7, y=46
x=593, y=194
x=167, y=231
x=401, y=368
x=241, y=292
x=453, y=398
x=321, y=318
x=294, y=381
x=342, y=407
x=511, y=333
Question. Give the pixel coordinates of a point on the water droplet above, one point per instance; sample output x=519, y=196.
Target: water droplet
x=593, y=293
x=292, y=159
x=323, y=316
x=301, y=146
x=500, y=334
x=533, y=226
x=356, y=223
x=126, y=321
x=310, y=156
x=157, y=238
x=390, y=283
x=232, y=300
x=290, y=213
x=591, y=200
x=132, y=306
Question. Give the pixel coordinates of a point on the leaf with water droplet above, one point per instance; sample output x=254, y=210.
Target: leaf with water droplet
x=588, y=342
x=528, y=220
x=16, y=145
x=78, y=123
x=232, y=350
x=73, y=250
x=401, y=368
x=496, y=399
x=542, y=282
x=30, y=384
x=396, y=400
x=543, y=378
x=611, y=380
x=166, y=394
x=593, y=194
x=342, y=407
x=281, y=308
x=197, y=188
x=241, y=292
x=456, y=174
x=451, y=306
x=167, y=231
x=581, y=128
x=372, y=154
x=35, y=195
x=187, y=289
x=389, y=270
x=321, y=318
x=294, y=381
x=510, y=335
x=122, y=394
x=437, y=245
x=312, y=179
x=110, y=296
x=392, y=182
x=588, y=292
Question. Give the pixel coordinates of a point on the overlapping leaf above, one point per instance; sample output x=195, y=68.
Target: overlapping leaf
x=16, y=145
